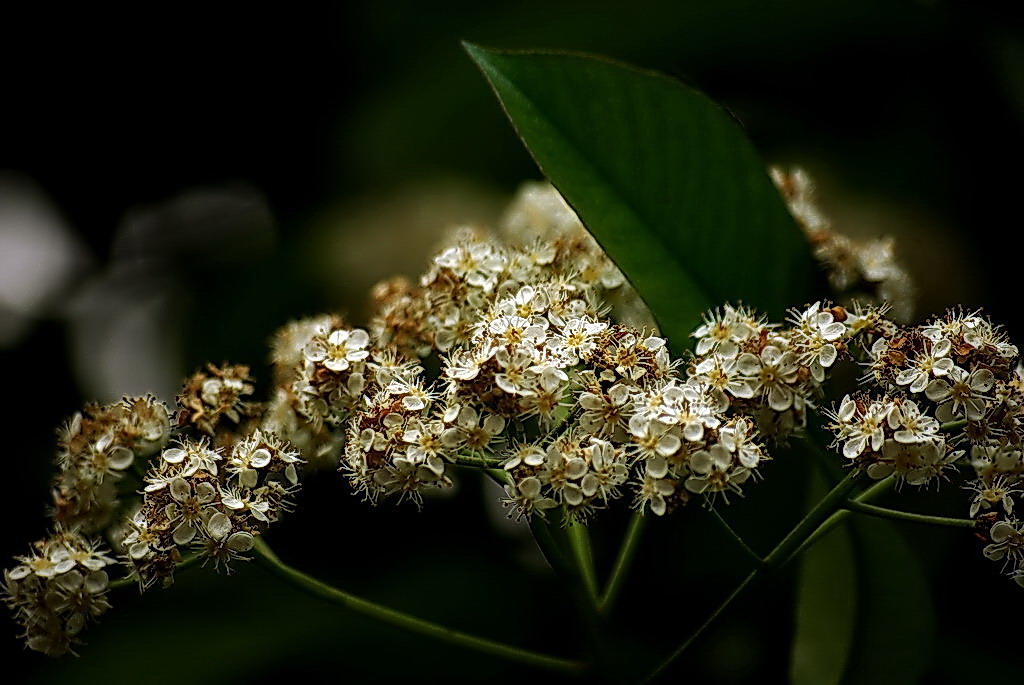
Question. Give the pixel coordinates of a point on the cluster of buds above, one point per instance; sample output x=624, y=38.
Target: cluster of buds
x=95, y=449
x=215, y=401
x=858, y=270
x=212, y=502
x=56, y=589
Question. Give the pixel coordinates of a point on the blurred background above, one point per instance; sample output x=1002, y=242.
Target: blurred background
x=175, y=183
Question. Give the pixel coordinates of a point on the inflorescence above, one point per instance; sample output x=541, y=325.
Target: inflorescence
x=552, y=375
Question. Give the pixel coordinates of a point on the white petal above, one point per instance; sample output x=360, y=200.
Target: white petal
x=180, y=489
x=827, y=355
x=184, y=533
x=120, y=458
x=260, y=458
x=241, y=541
x=937, y=390
x=219, y=526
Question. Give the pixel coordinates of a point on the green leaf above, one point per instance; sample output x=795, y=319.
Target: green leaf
x=662, y=177
x=826, y=606
x=897, y=622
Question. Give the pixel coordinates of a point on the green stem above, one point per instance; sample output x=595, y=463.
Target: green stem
x=266, y=557
x=570, y=575
x=579, y=542
x=549, y=547
x=877, y=490
x=562, y=426
x=477, y=461
x=814, y=518
x=781, y=553
x=736, y=536
x=883, y=512
x=622, y=562
x=703, y=626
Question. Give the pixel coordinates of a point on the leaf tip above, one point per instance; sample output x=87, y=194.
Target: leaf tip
x=472, y=49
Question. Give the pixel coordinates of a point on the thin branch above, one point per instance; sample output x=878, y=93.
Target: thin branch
x=570, y=575
x=737, y=591
x=736, y=536
x=883, y=512
x=266, y=557
x=622, y=562
x=877, y=490
x=825, y=507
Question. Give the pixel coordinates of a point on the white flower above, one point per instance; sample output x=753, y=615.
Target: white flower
x=652, y=439
x=189, y=507
x=578, y=339
x=916, y=463
x=607, y=470
x=414, y=396
x=1007, y=543
x=339, y=350
x=999, y=491
x=712, y=470
x=723, y=375
x=604, y=413
x=468, y=432
x=654, y=492
x=527, y=498
x=464, y=365
x=425, y=446
x=862, y=429
x=723, y=330
x=915, y=426
x=528, y=454
x=962, y=395
x=933, y=361
x=738, y=438
x=516, y=377
x=814, y=334
x=771, y=375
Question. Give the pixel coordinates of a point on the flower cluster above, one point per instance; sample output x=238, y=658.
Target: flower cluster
x=892, y=436
x=939, y=391
x=546, y=367
x=580, y=409
x=211, y=500
x=95, y=448
x=223, y=482
x=773, y=372
x=525, y=352
x=56, y=589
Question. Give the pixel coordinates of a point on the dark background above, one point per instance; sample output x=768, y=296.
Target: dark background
x=219, y=171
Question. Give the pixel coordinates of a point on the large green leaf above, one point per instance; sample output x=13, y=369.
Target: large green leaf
x=664, y=179
x=826, y=606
